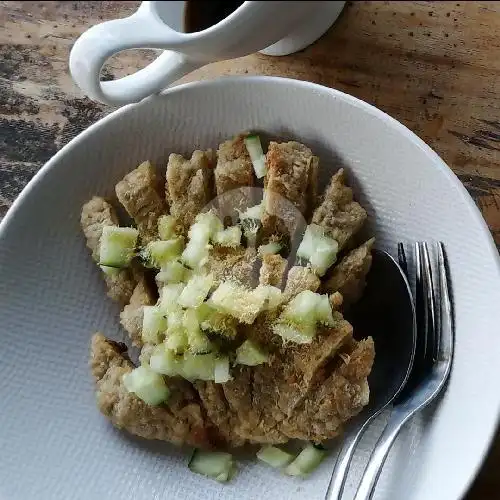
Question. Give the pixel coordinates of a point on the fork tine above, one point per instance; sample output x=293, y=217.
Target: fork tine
x=403, y=263
x=432, y=339
x=445, y=326
x=421, y=309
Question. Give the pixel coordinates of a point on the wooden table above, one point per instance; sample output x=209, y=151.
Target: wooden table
x=433, y=66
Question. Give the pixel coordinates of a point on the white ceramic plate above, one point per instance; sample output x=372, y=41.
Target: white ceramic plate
x=55, y=445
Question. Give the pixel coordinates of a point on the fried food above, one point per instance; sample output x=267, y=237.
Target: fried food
x=293, y=390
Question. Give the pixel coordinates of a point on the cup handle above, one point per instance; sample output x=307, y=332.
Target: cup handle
x=141, y=30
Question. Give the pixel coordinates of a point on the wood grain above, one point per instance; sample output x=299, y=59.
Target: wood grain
x=433, y=66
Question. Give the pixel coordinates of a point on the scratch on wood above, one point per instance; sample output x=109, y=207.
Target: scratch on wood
x=474, y=140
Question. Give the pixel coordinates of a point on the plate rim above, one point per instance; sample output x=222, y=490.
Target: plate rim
x=437, y=161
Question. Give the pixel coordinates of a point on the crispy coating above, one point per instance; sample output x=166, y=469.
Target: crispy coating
x=189, y=186
x=272, y=403
x=96, y=214
x=140, y=193
x=235, y=264
x=338, y=214
x=349, y=276
x=290, y=188
x=304, y=391
x=180, y=421
x=272, y=271
x=233, y=172
x=132, y=313
x=299, y=279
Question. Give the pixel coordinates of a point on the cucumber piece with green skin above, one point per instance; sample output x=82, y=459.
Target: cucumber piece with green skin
x=159, y=253
x=318, y=249
x=117, y=246
x=306, y=461
x=166, y=227
x=189, y=366
x=302, y=308
x=196, y=291
x=250, y=354
x=221, y=370
x=275, y=457
x=176, y=335
x=169, y=297
x=216, y=322
x=172, y=272
x=324, y=313
x=254, y=148
x=217, y=465
x=146, y=385
x=198, y=366
x=229, y=237
x=165, y=361
x=154, y=324
x=299, y=334
x=198, y=342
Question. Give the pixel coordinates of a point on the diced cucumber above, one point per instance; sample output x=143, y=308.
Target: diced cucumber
x=176, y=338
x=159, y=253
x=324, y=312
x=306, y=461
x=117, y=246
x=154, y=324
x=250, y=354
x=253, y=213
x=254, y=148
x=198, y=342
x=229, y=237
x=299, y=334
x=238, y=301
x=169, y=297
x=110, y=271
x=272, y=296
x=275, y=457
x=196, y=290
x=166, y=227
x=308, y=306
x=221, y=370
x=209, y=222
x=198, y=366
x=196, y=254
x=165, y=361
x=216, y=322
x=270, y=248
x=146, y=385
x=217, y=465
x=171, y=272
x=302, y=308
x=318, y=249
x=189, y=366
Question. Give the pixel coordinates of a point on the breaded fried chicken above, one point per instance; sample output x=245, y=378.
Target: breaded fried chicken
x=96, y=214
x=140, y=193
x=181, y=421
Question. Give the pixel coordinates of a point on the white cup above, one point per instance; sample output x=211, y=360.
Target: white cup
x=273, y=28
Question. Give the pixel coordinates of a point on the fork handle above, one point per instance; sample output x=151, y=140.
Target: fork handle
x=399, y=416
x=336, y=486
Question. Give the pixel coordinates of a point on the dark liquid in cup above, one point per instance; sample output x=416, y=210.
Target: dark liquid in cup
x=199, y=16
